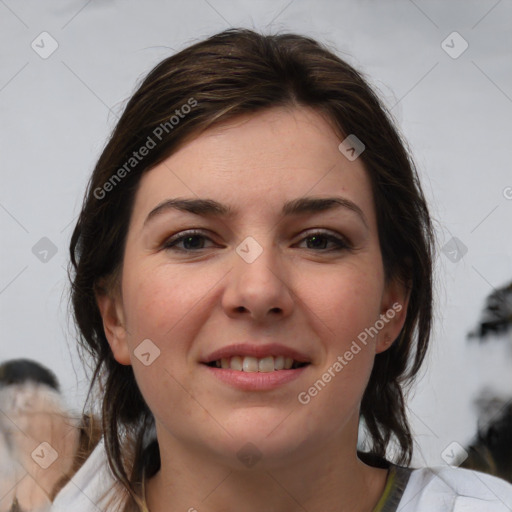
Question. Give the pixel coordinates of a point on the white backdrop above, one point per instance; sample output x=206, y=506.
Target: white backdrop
x=67, y=67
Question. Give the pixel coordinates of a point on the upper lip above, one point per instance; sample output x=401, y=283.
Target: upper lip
x=258, y=351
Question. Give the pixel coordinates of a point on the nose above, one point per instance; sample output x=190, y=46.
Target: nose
x=258, y=290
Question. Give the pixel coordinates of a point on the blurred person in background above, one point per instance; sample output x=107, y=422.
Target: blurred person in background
x=40, y=438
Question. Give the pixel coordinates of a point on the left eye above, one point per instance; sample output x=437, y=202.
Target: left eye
x=194, y=240
x=319, y=239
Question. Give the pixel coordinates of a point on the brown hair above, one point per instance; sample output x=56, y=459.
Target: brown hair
x=231, y=73
x=89, y=435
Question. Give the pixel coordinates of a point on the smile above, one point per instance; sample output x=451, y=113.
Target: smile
x=253, y=364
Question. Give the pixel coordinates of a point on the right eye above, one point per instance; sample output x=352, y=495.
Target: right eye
x=192, y=241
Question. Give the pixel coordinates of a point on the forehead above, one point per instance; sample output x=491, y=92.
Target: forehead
x=257, y=162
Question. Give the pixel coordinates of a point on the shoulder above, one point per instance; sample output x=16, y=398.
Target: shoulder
x=446, y=488
x=91, y=484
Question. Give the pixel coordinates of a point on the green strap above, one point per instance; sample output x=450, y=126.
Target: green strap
x=395, y=486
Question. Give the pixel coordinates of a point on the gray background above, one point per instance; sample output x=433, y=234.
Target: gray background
x=56, y=113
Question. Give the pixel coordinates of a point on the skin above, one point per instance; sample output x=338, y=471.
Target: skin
x=310, y=297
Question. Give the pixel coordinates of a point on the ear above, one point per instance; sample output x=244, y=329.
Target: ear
x=395, y=300
x=111, y=311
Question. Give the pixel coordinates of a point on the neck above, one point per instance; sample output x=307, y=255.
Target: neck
x=323, y=477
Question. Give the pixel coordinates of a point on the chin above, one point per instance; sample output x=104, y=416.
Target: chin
x=259, y=438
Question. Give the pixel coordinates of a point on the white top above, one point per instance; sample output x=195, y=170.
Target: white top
x=445, y=488
x=84, y=491
x=436, y=489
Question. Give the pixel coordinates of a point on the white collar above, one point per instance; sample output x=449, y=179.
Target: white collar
x=83, y=492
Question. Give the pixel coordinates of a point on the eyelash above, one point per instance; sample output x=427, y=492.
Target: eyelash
x=170, y=244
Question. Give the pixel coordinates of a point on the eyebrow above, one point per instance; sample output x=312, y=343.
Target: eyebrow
x=211, y=208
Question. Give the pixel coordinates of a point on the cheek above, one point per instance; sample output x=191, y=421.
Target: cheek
x=346, y=302
x=164, y=306
x=163, y=389
x=159, y=302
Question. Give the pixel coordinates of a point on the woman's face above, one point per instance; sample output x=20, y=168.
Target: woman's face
x=277, y=275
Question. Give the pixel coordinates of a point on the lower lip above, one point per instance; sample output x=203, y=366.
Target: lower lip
x=256, y=381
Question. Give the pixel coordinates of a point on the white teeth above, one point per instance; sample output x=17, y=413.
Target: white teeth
x=236, y=363
x=250, y=364
x=266, y=364
x=254, y=364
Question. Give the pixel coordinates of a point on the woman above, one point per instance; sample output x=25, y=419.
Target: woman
x=252, y=274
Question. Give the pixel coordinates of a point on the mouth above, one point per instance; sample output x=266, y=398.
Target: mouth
x=255, y=366
x=265, y=364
